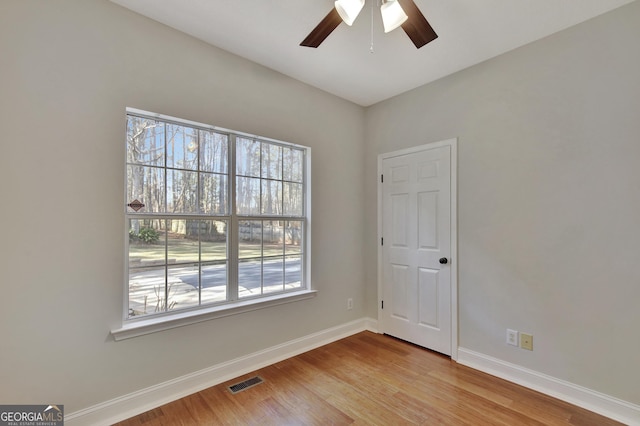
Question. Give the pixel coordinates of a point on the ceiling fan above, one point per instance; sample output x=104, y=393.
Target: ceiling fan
x=395, y=13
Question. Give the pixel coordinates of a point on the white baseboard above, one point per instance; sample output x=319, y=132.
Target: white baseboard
x=588, y=399
x=130, y=405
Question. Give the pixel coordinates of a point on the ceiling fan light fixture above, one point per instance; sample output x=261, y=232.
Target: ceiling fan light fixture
x=392, y=15
x=349, y=10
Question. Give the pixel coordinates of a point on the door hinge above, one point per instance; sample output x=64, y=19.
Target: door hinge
x=381, y=241
x=382, y=304
x=381, y=178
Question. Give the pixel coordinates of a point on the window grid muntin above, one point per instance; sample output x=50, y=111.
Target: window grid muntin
x=231, y=218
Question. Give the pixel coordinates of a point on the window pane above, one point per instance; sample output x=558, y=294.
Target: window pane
x=143, y=286
x=182, y=191
x=146, y=264
x=273, y=279
x=145, y=141
x=247, y=157
x=183, y=288
x=249, y=278
x=292, y=164
x=293, y=237
x=273, y=249
x=213, y=152
x=293, y=272
x=250, y=255
x=271, y=161
x=214, y=274
x=182, y=241
x=250, y=241
x=247, y=196
x=271, y=197
x=292, y=199
x=213, y=194
x=214, y=282
x=272, y=237
x=146, y=185
x=213, y=240
x=182, y=147
x=146, y=242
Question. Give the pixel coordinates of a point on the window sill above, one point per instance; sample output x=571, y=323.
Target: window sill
x=135, y=328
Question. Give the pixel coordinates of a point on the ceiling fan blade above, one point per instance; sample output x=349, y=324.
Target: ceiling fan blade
x=416, y=26
x=322, y=30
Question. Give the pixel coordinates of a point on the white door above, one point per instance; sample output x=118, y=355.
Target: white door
x=416, y=282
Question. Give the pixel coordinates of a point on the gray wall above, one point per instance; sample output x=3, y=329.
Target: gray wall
x=548, y=198
x=68, y=69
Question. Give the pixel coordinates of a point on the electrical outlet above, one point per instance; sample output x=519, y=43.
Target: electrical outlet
x=512, y=337
x=349, y=304
x=526, y=341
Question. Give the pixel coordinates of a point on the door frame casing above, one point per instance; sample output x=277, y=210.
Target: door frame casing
x=453, y=144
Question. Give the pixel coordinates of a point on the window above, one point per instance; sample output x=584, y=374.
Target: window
x=214, y=217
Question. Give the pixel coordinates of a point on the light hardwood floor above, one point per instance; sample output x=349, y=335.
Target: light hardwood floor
x=370, y=379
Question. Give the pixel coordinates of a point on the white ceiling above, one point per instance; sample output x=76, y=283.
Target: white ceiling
x=269, y=32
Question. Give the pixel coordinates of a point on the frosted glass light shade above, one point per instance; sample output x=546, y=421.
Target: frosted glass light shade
x=349, y=9
x=392, y=15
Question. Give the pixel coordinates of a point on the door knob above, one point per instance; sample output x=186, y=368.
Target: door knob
x=443, y=261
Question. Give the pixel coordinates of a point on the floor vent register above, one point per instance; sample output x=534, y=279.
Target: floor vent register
x=246, y=384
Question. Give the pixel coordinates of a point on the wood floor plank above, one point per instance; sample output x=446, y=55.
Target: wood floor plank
x=370, y=379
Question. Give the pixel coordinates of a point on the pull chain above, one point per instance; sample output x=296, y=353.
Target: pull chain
x=371, y=48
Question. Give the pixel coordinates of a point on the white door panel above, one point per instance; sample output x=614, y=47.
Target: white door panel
x=416, y=221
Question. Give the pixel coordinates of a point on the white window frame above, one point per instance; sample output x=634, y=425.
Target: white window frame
x=136, y=326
